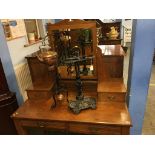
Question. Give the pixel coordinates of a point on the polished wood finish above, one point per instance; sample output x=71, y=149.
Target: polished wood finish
x=3, y=83
x=111, y=58
x=111, y=97
x=107, y=86
x=112, y=86
x=108, y=118
x=112, y=50
x=43, y=93
x=42, y=79
x=38, y=70
x=111, y=91
x=8, y=104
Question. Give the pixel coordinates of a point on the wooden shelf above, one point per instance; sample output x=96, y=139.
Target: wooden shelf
x=9, y=39
x=27, y=45
x=39, y=86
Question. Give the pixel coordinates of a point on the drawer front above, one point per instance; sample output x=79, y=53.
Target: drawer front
x=44, y=124
x=94, y=129
x=34, y=95
x=114, y=97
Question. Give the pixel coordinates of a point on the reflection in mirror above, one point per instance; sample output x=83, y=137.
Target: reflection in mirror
x=71, y=44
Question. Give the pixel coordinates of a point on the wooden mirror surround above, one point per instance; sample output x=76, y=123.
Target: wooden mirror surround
x=75, y=26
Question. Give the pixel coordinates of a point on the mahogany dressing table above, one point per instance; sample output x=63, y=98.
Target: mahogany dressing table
x=111, y=115
x=109, y=118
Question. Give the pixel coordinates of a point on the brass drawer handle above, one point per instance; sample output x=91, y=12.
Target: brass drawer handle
x=41, y=124
x=111, y=97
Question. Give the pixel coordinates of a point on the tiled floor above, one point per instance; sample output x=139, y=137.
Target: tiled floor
x=149, y=118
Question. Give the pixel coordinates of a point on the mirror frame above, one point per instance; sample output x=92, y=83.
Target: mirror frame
x=76, y=24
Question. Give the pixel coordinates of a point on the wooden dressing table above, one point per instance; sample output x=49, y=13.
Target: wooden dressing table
x=106, y=84
x=109, y=118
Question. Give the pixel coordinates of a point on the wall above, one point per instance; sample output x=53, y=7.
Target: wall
x=127, y=23
x=45, y=21
x=18, y=51
x=143, y=44
x=8, y=66
x=14, y=56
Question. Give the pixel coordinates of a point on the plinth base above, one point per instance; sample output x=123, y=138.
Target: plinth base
x=85, y=103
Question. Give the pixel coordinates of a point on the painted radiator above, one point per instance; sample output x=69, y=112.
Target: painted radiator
x=23, y=78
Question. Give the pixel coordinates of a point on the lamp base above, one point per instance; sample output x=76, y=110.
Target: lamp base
x=85, y=103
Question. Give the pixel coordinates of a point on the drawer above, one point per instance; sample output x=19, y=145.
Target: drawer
x=44, y=124
x=94, y=129
x=34, y=95
x=114, y=97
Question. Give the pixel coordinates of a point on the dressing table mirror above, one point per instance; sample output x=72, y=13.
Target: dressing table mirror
x=67, y=34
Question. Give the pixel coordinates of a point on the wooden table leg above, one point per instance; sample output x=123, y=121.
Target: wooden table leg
x=19, y=127
x=125, y=131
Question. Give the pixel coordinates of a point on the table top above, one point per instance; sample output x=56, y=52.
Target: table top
x=106, y=113
x=112, y=50
x=116, y=86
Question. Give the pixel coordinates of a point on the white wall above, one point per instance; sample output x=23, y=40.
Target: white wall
x=127, y=23
x=8, y=66
x=124, y=35
x=18, y=51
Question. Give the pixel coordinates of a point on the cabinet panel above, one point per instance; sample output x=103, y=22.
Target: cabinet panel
x=113, y=67
x=111, y=97
x=8, y=104
x=44, y=124
x=3, y=83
